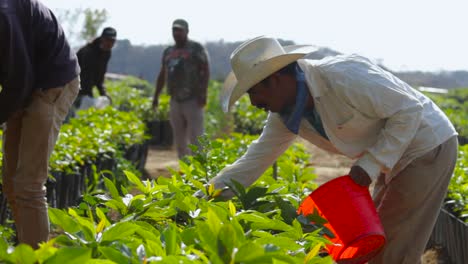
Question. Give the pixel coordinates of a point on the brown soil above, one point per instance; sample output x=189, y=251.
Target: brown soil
x=159, y=159
x=327, y=167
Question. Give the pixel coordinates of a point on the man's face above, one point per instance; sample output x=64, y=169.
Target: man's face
x=273, y=94
x=107, y=43
x=179, y=34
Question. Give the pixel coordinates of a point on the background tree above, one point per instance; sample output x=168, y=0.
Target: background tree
x=93, y=21
x=81, y=25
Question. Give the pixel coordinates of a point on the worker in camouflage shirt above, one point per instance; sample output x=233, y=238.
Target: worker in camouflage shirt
x=185, y=65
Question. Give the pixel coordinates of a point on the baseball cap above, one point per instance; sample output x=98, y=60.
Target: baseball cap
x=180, y=23
x=109, y=32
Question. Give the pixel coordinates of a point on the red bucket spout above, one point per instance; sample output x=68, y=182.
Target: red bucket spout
x=351, y=217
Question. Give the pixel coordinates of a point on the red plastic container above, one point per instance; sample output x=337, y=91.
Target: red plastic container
x=352, y=218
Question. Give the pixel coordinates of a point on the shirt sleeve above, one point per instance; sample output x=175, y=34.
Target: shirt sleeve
x=102, y=74
x=274, y=141
x=378, y=94
x=204, y=70
x=16, y=70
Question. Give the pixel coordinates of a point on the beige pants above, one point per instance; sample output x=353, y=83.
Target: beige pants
x=28, y=140
x=409, y=205
x=187, y=124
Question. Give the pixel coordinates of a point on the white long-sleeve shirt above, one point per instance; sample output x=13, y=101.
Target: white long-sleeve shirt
x=368, y=115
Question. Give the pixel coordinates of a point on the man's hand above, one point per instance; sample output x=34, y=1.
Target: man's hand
x=155, y=104
x=360, y=176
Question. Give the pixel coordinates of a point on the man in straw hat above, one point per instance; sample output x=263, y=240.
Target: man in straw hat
x=346, y=104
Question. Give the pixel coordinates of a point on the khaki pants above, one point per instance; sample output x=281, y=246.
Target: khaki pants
x=410, y=203
x=29, y=139
x=187, y=124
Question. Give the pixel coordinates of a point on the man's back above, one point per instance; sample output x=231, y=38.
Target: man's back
x=36, y=54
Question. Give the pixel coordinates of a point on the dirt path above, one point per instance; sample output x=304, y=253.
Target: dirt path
x=327, y=167
x=159, y=159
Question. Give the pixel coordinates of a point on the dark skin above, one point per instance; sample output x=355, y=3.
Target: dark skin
x=180, y=36
x=107, y=44
x=277, y=92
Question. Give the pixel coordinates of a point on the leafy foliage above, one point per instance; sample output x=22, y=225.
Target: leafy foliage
x=247, y=118
x=458, y=188
x=95, y=133
x=455, y=106
x=162, y=220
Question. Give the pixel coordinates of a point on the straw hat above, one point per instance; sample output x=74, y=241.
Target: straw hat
x=255, y=60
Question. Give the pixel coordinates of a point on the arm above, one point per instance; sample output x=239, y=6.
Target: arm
x=377, y=94
x=101, y=76
x=86, y=79
x=273, y=141
x=160, y=81
x=204, y=76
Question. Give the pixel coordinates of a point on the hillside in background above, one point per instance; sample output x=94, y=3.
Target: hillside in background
x=145, y=62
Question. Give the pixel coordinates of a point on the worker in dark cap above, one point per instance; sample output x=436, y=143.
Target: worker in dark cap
x=93, y=59
x=185, y=66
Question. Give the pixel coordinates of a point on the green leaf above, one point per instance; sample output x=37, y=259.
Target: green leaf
x=237, y=188
x=226, y=243
x=189, y=236
x=112, y=189
x=249, y=251
x=135, y=180
x=45, y=250
x=3, y=250
x=261, y=221
x=232, y=208
x=70, y=256
x=288, y=211
x=213, y=221
x=154, y=248
x=102, y=217
x=24, y=254
x=252, y=216
x=254, y=194
x=205, y=234
x=119, y=231
x=87, y=225
x=284, y=243
x=147, y=231
x=198, y=184
x=117, y=205
x=313, y=253
x=63, y=220
x=170, y=239
x=67, y=240
x=101, y=261
x=114, y=255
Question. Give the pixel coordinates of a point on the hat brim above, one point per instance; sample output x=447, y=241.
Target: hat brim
x=233, y=89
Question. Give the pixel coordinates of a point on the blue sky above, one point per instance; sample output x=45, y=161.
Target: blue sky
x=425, y=35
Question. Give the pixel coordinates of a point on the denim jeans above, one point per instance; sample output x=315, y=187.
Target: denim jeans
x=28, y=141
